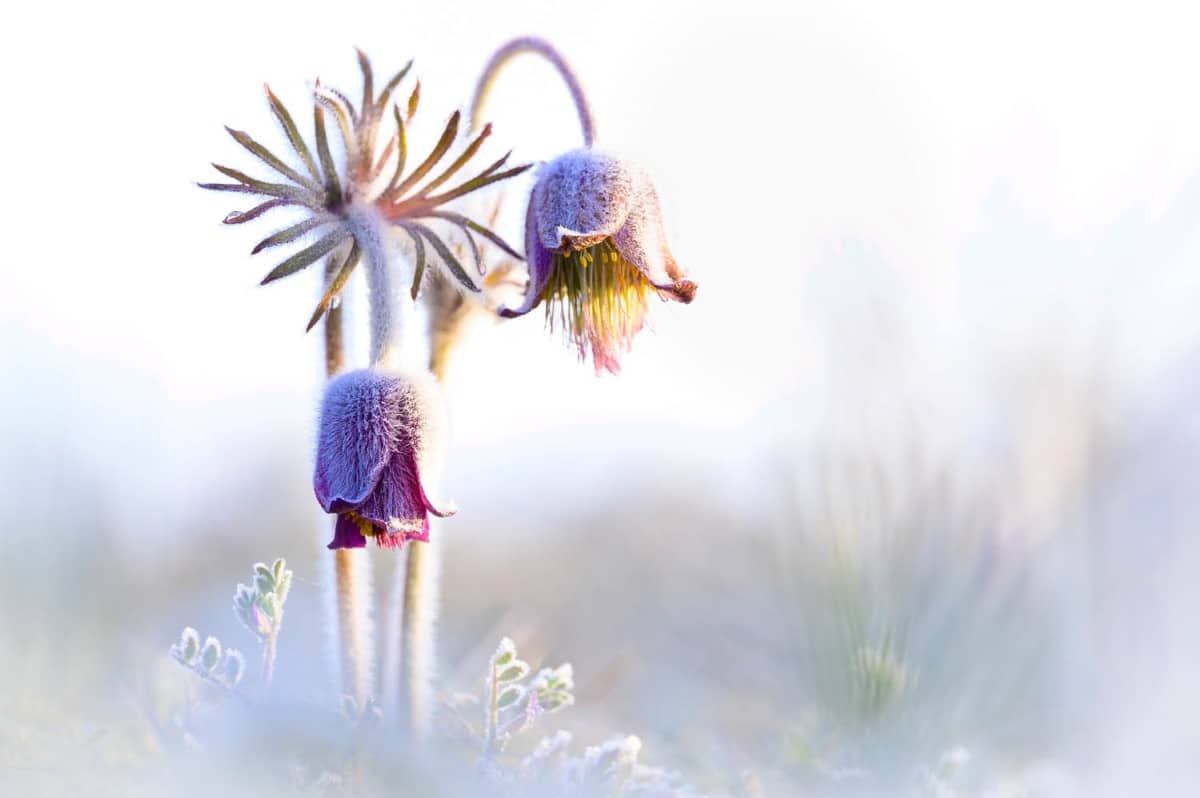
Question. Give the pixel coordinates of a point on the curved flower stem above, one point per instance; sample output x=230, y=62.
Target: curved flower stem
x=532, y=44
x=351, y=566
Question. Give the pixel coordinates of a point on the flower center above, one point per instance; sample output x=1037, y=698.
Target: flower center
x=365, y=527
x=598, y=299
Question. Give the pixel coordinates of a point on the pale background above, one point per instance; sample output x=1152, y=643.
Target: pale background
x=966, y=230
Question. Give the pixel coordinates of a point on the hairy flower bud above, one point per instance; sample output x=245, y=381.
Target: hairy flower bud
x=596, y=249
x=378, y=436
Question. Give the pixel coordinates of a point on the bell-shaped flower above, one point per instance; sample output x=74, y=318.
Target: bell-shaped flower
x=596, y=250
x=379, y=437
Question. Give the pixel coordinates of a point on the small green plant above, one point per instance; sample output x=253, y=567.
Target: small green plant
x=222, y=668
x=260, y=609
x=259, y=606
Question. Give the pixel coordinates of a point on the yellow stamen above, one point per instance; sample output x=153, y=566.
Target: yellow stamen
x=365, y=527
x=597, y=298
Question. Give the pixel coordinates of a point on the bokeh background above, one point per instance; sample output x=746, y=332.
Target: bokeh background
x=904, y=502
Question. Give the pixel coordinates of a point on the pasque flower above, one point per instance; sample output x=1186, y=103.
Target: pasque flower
x=597, y=250
x=379, y=433
x=331, y=200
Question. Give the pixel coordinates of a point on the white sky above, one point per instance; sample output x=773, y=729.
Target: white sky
x=999, y=172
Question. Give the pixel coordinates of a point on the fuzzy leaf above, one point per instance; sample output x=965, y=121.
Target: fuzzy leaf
x=386, y=94
x=289, y=234
x=486, y=178
x=447, y=257
x=241, y=217
x=401, y=152
x=333, y=185
x=189, y=645
x=509, y=696
x=431, y=160
x=413, y=99
x=293, y=134
x=233, y=667
x=419, y=271
x=307, y=256
x=335, y=286
x=463, y=221
x=269, y=158
x=517, y=670
x=210, y=655
x=466, y=155
x=368, y=95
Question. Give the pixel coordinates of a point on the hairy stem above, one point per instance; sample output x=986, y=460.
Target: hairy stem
x=417, y=584
x=350, y=565
x=532, y=44
x=268, y=659
x=493, y=712
x=422, y=576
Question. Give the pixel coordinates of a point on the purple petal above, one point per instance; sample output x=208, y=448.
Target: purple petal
x=581, y=198
x=360, y=420
x=642, y=241
x=346, y=535
x=540, y=263
x=397, y=502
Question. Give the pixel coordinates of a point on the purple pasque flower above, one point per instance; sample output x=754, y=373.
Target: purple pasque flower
x=596, y=249
x=378, y=436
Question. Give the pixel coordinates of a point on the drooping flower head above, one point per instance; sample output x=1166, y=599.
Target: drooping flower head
x=597, y=250
x=378, y=437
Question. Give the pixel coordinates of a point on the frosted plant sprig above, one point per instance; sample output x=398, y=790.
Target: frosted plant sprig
x=513, y=702
x=259, y=606
x=222, y=668
x=513, y=706
x=334, y=200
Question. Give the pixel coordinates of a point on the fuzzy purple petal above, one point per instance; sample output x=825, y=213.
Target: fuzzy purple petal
x=540, y=261
x=346, y=535
x=642, y=241
x=582, y=198
x=360, y=421
x=397, y=502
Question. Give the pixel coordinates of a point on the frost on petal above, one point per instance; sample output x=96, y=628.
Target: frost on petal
x=346, y=535
x=360, y=418
x=582, y=198
x=642, y=241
